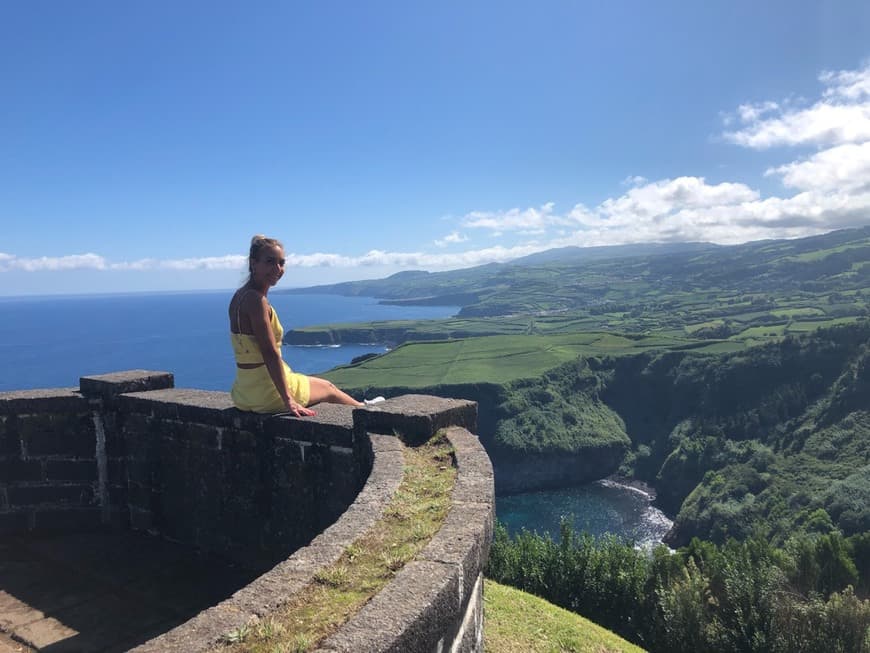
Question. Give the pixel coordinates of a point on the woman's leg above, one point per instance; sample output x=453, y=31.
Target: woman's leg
x=323, y=391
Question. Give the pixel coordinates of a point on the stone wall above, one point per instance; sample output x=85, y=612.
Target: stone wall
x=128, y=450
x=48, y=465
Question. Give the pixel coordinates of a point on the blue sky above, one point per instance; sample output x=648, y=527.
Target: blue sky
x=143, y=144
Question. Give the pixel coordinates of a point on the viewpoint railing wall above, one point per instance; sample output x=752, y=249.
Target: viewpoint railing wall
x=128, y=450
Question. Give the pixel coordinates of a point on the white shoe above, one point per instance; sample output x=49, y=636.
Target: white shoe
x=372, y=402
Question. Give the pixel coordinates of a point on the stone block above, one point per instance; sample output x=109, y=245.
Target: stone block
x=118, y=496
x=470, y=635
x=14, y=470
x=475, y=481
x=10, y=443
x=53, y=400
x=200, y=435
x=141, y=520
x=66, y=520
x=17, y=521
x=109, y=386
x=188, y=405
x=34, y=495
x=140, y=496
x=116, y=470
x=71, y=435
x=116, y=443
x=409, y=614
x=463, y=541
x=415, y=418
x=320, y=429
x=239, y=440
x=71, y=470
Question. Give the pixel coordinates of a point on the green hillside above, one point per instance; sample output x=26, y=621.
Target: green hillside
x=747, y=293
x=831, y=267
x=774, y=436
x=517, y=622
x=493, y=359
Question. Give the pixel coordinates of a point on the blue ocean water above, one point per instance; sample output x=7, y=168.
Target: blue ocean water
x=596, y=508
x=48, y=342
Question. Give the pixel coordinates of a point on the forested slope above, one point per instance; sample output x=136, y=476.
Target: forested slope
x=773, y=437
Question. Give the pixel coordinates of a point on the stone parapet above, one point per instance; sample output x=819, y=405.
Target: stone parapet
x=128, y=450
x=49, y=478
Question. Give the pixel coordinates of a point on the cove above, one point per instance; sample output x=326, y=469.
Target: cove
x=597, y=508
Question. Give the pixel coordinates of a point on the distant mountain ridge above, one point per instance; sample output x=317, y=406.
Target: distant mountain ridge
x=572, y=277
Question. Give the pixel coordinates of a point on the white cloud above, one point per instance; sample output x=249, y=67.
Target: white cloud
x=752, y=112
x=840, y=169
x=634, y=180
x=841, y=116
x=451, y=238
x=847, y=84
x=52, y=263
x=525, y=221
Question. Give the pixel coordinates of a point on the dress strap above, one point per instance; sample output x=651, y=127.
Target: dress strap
x=239, y=310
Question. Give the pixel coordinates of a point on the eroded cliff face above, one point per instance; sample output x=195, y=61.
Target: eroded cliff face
x=529, y=462
x=550, y=470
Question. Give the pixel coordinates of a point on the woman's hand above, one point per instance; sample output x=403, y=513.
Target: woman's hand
x=299, y=410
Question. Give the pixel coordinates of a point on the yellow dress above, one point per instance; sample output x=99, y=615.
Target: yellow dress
x=253, y=388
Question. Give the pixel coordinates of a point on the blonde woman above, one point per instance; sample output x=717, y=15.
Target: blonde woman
x=264, y=382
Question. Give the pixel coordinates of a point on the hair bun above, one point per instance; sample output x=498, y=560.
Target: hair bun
x=257, y=239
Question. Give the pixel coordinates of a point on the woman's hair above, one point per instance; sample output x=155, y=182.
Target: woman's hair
x=258, y=242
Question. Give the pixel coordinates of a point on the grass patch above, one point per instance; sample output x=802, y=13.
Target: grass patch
x=517, y=622
x=414, y=515
x=489, y=359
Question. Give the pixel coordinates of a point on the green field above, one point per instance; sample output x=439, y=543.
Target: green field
x=492, y=359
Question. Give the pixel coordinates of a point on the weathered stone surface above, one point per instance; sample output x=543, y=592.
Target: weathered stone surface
x=415, y=417
x=475, y=480
x=182, y=404
x=67, y=520
x=409, y=614
x=470, y=635
x=16, y=521
x=54, y=400
x=71, y=470
x=29, y=495
x=463, y=541
x=57, y=434
x=95, y=592
x=108, y=386
x=15, y=470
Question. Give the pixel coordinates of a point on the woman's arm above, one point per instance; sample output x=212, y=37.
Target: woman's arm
x=257, y=309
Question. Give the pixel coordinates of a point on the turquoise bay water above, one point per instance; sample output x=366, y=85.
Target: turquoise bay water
x=597, y=508
x=48, y=342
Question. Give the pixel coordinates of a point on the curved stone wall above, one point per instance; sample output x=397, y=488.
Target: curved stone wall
x=129, y=450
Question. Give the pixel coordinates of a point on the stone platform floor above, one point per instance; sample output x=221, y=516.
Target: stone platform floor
x=103, y=592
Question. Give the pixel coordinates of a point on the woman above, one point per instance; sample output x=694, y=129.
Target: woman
x=264, y=383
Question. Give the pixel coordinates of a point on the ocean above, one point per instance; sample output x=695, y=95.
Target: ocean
x=48, y=342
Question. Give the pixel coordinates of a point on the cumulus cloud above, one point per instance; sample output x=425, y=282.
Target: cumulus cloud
x=841, y=115
x=450, y=239
x=52, y=263
x=843, y=168
x=832, y=185
x=534, y=220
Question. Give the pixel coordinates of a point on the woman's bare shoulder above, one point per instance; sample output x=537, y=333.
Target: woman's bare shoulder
x=248, y=299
